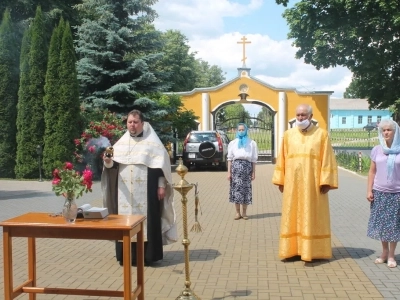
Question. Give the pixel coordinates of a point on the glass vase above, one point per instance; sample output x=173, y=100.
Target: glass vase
x=70, y=210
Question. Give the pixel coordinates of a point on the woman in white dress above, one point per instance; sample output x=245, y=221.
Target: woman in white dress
x=242, y=159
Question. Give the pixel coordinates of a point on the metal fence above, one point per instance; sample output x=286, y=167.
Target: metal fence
x=354, y=139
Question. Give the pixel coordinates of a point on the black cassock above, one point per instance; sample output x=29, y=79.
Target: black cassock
x=153, y=248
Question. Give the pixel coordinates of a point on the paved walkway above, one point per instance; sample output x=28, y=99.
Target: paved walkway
x=228, y=260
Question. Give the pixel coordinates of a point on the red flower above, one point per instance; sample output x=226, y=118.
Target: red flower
x=88, y=184
x=56, y=174
x=68, y=166
x=77, y=142
x=92, y=149
x=71, y=183
x=87, y=174
x=56, y=181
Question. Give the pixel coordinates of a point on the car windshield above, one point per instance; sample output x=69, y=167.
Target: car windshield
x=202, y=137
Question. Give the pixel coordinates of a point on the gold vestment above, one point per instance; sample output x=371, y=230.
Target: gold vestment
x=306, y=162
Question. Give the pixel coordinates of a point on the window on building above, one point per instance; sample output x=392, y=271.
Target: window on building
x=369, y=119
x=359, y=119
x=343, y=120
x=378, y=119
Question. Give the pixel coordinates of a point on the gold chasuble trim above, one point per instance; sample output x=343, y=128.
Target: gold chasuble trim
x=310, y=237
x=303, y=155
x=328, y=170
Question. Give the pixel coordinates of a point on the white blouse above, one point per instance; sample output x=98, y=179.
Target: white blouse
x=249, y=152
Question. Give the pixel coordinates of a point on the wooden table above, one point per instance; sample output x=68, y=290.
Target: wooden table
x=44, y=225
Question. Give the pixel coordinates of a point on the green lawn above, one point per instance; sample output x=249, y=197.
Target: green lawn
x=354, y=138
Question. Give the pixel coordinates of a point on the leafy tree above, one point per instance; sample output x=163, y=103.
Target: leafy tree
x=184, y=70
x=360, y=35
x=178, y=61
x=8, y=96
x=206, y=75
x=30, y=121
x=117, y=51
x=234, y=114
x=264, y=119
x=352, y=91
x=283, y=2
x=174, y=120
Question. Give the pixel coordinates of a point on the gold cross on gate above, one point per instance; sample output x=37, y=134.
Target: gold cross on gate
x=125, y=205
x=243, y=42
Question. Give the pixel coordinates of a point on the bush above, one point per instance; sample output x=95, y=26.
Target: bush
x=351, y=161
x=104, y=130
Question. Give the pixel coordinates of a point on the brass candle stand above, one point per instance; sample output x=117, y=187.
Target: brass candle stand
x=183, y=187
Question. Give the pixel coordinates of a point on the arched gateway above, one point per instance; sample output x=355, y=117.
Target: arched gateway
x=280, y=104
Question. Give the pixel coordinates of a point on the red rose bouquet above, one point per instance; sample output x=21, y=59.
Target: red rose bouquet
x=70, y=183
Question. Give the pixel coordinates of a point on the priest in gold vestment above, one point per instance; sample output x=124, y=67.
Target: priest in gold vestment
x=305, y=171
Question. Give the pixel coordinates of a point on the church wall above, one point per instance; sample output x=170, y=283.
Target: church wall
x=256, y=91
x=274, y=98
x=319, y=103
x=193, y=102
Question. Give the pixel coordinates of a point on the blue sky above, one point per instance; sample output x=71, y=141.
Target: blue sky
x=213, y=28
x=267, y=20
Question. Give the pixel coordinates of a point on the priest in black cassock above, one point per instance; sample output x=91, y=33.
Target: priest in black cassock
x=137, y=180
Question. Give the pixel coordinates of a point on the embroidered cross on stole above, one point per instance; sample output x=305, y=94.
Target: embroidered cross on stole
x=132, y=192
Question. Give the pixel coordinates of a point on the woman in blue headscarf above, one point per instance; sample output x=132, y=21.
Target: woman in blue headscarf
x=242, y=159
x=383, y=191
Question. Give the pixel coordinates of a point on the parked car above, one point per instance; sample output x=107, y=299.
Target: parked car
x=206, y=148
x=371, y=126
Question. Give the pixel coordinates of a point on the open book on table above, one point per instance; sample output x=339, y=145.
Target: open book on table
x=88, y=212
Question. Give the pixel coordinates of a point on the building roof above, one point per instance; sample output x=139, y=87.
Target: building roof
x=349, y=104
x=245, y=72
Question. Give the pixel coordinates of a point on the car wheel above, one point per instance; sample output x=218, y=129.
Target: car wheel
x=207, y=150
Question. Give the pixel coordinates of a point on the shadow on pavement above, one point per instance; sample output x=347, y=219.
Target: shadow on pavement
x=234, y=294
x=9, y=195
x=264, y=215
x=351, y=252
x=177, y=257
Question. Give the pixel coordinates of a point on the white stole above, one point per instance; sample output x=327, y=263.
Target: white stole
x=132, y=192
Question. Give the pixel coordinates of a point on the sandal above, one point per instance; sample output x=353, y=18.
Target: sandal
x=245, y=217
x=238, y=217
x=391, y=263
x=380, y=261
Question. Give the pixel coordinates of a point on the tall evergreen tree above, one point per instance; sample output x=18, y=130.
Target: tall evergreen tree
x=117, y=51
x=8, y=96
x=68, y=113
x=31, y=117
x=51, y=98
x=23, y=95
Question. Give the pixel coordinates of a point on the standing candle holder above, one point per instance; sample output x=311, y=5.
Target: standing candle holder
x=183, y=187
